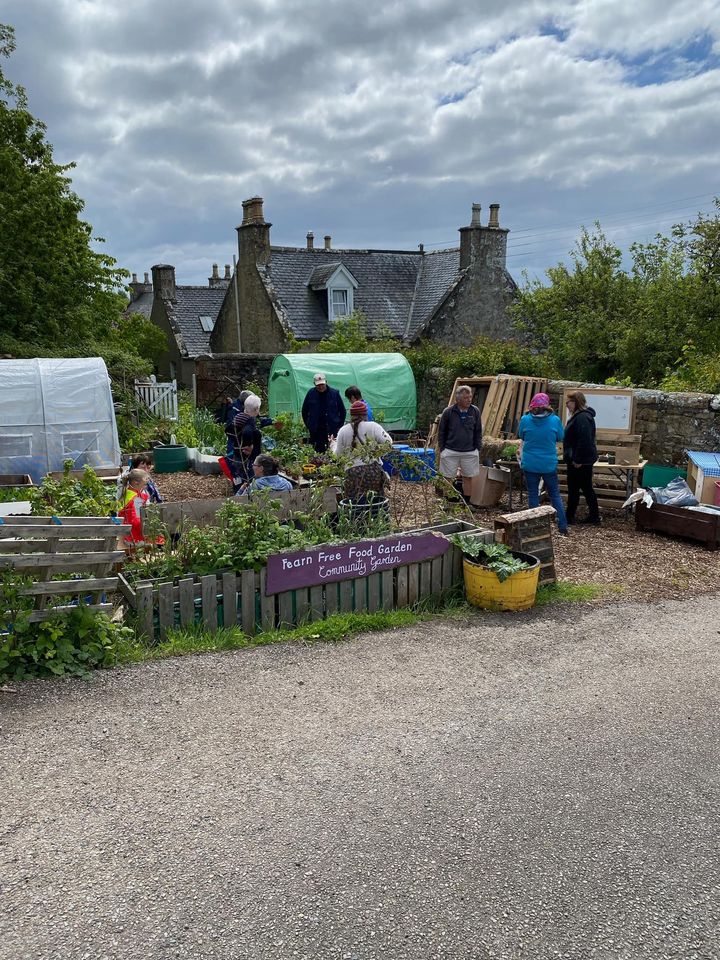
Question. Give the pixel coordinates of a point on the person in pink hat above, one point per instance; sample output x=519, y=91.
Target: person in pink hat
x=540, y=431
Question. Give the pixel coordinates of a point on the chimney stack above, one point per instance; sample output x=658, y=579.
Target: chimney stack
x=228, y=275
x=253, y=211
x=476, y=210
x=494, y=220
x=137, y=288
x=215, y=281
x=328, y=242
x=135, y=279
x=163, y=278
x=421, y=248
x=147, y=278
x=215, y=274
x=310, y=239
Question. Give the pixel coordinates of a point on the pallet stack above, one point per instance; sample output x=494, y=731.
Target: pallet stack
x=508, y=398
x=613, y=483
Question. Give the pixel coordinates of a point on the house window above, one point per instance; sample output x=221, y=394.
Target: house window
x=207, y=323
x=340, y=303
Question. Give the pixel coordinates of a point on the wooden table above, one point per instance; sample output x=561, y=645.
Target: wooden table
x=626, y=473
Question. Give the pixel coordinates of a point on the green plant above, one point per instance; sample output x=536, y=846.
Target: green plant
x=85, y=496
x=197, y=427
x=564, y=592
x=493, y=556
x=65, y=644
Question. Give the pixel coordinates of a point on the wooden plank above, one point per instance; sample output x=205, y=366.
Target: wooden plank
x=144, y=606
x=209, y=602
x=402, y=587
x=317, y=610
x=360, y=604
x=436, y=576
x=414, y=583
x=457, y=564
x=24, y=547
x=77, y=560
x=37, y=616
x=247, y=600
x=488, y=409
x=66, y=531
x=332, y=598
x=186, y=598
x=302, y=604
x=346, y=596
x=447, y=572
x=387, y=589
x=71, y=587
x=166, y=609
x=373, y=592
x=286, y=617
x=425, y=579
x=39, y=521
x=267, y=604
x=229, y=593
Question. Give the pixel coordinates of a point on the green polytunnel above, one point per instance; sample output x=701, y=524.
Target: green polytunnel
x=385, y=379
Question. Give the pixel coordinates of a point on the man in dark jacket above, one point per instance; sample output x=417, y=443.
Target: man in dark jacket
x=580, y=453
x=323, y=412
x=460, y=437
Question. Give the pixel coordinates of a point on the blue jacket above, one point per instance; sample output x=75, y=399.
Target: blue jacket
x=540, y=436
x=323, y=413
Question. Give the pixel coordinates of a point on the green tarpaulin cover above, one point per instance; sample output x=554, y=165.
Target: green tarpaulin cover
x=385, y=379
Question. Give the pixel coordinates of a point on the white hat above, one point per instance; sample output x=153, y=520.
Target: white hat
x=319, y=378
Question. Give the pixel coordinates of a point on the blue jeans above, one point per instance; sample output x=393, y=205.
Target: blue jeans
x=553, y=488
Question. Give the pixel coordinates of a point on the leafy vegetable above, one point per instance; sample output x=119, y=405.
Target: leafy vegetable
x=493, y=556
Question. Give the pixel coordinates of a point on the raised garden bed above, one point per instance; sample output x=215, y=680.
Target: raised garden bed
x=680, y=522
x=230, y=598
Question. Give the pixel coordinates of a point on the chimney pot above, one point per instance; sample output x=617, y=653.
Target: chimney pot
x=215, y=274
x=494, y=220
x=135, y=279
x=227, y=272
x=421, y=247
x=253, y=210
x=328, y=242
x=147, y=278
x=476, y=210
x=310, y=240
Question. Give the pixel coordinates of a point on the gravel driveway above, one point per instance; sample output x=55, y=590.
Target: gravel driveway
x=536, y=785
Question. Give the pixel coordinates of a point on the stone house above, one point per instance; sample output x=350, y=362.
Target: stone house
x=279, y=294
x=283, y=292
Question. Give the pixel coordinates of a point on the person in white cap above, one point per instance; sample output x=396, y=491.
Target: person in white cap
x=323, y=412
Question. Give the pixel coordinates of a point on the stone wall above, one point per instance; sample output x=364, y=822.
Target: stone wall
x=225, y=375
x=670, y=423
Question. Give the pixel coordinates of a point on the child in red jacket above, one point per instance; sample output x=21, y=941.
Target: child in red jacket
x=133, y=498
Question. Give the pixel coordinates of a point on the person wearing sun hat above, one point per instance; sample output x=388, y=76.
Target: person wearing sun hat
x=323, y=412
x=364, y=475
x=540, y=431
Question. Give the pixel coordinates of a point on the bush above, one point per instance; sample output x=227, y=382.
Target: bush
x=85, y=496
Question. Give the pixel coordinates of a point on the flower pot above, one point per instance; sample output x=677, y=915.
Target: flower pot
x=484, y=589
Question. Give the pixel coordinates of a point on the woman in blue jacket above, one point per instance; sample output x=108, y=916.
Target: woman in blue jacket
x=540, y=431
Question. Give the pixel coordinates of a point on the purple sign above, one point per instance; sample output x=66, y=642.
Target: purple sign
x=345, y=561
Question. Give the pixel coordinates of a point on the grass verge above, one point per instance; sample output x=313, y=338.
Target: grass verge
x=564, y=592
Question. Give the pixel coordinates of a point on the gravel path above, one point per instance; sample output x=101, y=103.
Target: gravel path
x=541, y=785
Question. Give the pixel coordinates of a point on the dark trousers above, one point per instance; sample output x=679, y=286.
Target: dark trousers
x=579, y=480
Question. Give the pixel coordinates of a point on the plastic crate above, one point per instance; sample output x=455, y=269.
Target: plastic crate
x=422, y=466
x=655, y=475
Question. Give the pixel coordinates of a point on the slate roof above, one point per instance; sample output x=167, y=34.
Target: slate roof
x=184, y=314
x=397, y=290
x=142, y=305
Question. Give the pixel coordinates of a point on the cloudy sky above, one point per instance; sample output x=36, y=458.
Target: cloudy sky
x=376, y=122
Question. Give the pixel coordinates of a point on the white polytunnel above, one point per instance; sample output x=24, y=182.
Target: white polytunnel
x=52, y=410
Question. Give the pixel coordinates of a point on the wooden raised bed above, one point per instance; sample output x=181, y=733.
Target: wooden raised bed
x=680, y=522
x=238, y=599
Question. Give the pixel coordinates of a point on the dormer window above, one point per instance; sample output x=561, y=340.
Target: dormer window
x=339, y=285
x=340, y=302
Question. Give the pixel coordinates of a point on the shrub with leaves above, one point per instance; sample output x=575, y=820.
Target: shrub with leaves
x=85, y=496
x=493, y=556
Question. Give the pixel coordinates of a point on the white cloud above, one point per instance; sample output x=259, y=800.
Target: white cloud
x=379, y=122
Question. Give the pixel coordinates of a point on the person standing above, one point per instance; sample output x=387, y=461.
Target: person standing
x=364, y=477
x=460, y=437
x=323, y=412
x=580, y=454
x=352, y=394
x=247, y=441
x=232, y=409
x=540, y=431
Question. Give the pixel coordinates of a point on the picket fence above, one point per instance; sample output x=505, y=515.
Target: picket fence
x=238, y=599
x=159, y=399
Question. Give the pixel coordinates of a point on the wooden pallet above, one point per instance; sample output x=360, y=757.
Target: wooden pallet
x=45, y=546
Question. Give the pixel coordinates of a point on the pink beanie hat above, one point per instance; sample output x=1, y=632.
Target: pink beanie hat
x=539, y=400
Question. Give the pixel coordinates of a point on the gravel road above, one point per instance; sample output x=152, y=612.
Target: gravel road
x=542, y=785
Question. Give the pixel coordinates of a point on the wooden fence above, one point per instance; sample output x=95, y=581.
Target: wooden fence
x=159, y=399
x=231, y=599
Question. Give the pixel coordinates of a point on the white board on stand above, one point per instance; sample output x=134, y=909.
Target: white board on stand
x=614, y=409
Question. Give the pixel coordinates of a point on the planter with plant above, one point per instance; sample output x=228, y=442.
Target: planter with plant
x=497, y=578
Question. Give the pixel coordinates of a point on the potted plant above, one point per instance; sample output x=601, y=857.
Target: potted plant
x=497, y=578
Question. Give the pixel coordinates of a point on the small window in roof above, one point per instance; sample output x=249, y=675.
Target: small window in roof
x=207, y=323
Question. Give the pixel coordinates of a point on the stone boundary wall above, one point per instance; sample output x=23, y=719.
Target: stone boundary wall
x=226, y=374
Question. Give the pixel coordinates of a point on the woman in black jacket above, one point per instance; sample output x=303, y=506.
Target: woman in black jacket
x=580, y=454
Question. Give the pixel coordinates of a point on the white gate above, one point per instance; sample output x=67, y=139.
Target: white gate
x=159, y=399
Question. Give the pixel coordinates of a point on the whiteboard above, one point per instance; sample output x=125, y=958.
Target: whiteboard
x=614, y=409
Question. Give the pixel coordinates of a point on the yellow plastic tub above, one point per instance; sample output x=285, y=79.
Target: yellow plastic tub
x=483, y=589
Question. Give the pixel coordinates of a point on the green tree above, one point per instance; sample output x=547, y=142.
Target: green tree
x=55, y=288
